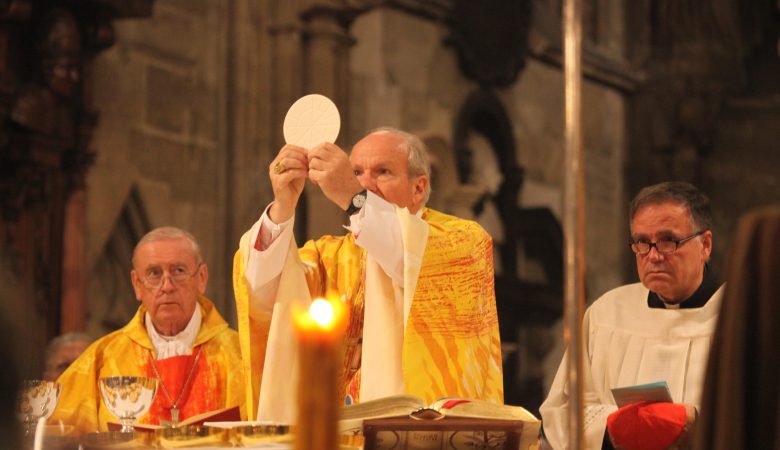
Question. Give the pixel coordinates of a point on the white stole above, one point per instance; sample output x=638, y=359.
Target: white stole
x=386, y=312
x=277, y=401
x=382, y=338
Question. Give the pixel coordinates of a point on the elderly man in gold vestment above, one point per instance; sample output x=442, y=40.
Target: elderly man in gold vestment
x=177, y=336
x=419, y=283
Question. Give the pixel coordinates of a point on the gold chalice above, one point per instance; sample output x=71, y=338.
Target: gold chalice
x=37, y=398
x=128, y=398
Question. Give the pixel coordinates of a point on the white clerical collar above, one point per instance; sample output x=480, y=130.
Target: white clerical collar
x=181, y=344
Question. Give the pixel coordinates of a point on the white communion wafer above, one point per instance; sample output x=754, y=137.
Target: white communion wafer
x=312, y=120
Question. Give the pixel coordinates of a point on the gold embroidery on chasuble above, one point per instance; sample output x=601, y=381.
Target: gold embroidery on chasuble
x=451, y=343
x=345, y=278
x=452, y=346
x=215, y=385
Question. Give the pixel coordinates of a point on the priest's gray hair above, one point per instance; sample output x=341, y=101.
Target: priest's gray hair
x=419, y=160
x=169, y=234
x=62, y=339
x=686, y=194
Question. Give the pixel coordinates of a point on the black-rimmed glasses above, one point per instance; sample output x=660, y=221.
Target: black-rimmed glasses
x=664, y=246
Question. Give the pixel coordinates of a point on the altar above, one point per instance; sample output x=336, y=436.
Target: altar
x=240, y=435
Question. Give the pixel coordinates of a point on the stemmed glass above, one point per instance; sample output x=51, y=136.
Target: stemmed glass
x=37, y=398
x=128, y=398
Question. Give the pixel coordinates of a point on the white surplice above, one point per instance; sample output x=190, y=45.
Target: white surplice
x=628, y=343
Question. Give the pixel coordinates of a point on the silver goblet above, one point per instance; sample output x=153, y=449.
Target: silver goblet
x=128, y=398
x=37, y=398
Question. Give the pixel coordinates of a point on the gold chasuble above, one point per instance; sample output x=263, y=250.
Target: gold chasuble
x=216, y=381
x=451, y=345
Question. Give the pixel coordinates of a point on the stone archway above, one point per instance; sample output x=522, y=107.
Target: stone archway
x=486, y=156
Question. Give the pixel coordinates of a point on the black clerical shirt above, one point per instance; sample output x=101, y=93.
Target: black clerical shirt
x=709, y=284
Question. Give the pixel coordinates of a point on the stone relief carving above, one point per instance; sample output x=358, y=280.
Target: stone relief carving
x=485, y=154
x=50, y=103
x=46, y=126
x=486, y=173
x=110, y=293
x=448, y=193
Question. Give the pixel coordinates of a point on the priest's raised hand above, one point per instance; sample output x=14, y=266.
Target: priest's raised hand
x=288, y=172
x=330, y=168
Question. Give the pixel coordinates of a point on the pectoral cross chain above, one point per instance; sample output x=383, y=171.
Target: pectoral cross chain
x=174, y=409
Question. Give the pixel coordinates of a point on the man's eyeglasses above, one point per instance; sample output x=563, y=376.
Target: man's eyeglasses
x=663, y=245
x=154, y=278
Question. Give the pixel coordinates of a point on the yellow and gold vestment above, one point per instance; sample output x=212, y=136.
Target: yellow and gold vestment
x=451, y=344
x=216, y=382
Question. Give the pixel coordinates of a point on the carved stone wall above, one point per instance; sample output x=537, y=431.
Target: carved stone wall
x=742, y=170
x=179, y=132
x=46, y=123
x=711, y=80
x=411, y=80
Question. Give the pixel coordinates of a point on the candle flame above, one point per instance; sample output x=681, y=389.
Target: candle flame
x=322, y=317
x=321, y=311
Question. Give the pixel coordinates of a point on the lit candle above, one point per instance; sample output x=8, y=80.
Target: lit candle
x=320, y=335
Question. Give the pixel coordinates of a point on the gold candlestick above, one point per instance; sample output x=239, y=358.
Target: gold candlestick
x=320, y=335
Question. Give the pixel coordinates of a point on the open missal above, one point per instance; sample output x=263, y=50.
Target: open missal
x=405, y=423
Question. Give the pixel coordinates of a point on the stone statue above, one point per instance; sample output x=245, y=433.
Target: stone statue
x=43, y=105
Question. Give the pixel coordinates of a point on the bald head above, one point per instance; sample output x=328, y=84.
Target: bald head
x=394, y=165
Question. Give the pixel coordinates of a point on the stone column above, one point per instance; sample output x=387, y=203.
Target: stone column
x=326, y=56
x=286, y=85
x=74, y=270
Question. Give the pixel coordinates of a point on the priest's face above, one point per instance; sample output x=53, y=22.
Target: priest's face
x=62, y=357
x=168, y=279
x=673, y=276
x=381, y=164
